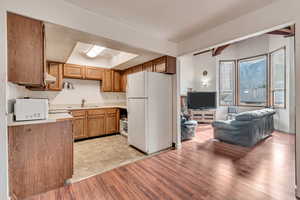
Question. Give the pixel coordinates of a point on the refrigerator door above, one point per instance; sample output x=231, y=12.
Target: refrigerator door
x=159, y=112
x=137, y=85
x=137, y=122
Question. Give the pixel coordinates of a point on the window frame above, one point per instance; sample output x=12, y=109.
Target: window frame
x=271, y=91
x=238, y=103
x=234, y=82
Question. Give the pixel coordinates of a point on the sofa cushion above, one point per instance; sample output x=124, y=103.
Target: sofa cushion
x=256, y=114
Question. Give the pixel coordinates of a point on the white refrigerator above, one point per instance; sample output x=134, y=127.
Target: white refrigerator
x=149, y=102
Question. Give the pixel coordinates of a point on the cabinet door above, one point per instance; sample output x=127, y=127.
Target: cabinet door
x=107, y=81
x=25, y=43
x=148, y=66
x=73, y=71
x=116, y=81
x=112, y=122
x=160, y=65
x=40, y=157
x=123, y=82
x=55, y=69
x=79, y=129
x=96, y=125
x=93, y=73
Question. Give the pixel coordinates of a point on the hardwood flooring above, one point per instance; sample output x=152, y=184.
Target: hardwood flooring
x=203, y=169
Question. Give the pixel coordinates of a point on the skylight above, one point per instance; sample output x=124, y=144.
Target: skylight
x=95, y=51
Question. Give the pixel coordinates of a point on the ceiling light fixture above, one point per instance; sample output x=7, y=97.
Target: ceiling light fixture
x=94, y=51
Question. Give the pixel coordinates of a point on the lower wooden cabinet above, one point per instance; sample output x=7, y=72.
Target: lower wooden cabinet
x=96, y=125
x=40, y=157
x=95, y=122
x=79, y=129
x=111, y=123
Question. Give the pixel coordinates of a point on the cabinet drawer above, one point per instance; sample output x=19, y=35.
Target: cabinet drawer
x=78, y=113
x=96, y=112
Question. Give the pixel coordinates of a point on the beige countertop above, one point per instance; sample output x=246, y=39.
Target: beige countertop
x=66, y=107
x=51, y=118
x=61, y=113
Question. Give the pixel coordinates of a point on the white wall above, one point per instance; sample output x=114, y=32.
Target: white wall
x=284, y=118
x=83, y=89
x=187, y=73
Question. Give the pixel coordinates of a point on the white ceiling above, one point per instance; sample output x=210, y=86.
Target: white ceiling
x=61, y=43
x=173, y=20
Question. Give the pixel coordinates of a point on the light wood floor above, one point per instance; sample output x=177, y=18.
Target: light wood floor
x=203, y=169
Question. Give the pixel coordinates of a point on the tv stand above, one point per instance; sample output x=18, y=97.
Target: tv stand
x=203, y=116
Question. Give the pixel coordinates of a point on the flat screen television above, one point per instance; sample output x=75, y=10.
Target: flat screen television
x=201, y=100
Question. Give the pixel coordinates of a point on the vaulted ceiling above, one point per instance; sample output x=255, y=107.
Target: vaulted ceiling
x=173, y=20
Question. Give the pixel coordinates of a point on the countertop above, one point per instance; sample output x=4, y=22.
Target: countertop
x=66, y=107
x=61, y=112
x=51, y=118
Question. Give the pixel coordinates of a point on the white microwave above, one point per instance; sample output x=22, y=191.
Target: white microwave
x=31, y=109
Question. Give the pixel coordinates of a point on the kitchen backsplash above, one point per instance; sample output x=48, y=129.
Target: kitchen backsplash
x=83, y=89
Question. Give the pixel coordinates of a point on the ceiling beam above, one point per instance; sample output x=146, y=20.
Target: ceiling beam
x=286, y=32
x=217, y=51
x=202, y=52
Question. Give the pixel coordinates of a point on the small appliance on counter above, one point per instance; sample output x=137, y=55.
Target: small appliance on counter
x=31, y=109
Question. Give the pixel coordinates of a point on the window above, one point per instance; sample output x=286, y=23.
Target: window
x=278, y=85
x=226, y=83
x=252, y=81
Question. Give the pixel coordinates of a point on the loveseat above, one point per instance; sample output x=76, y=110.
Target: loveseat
x=247, y=129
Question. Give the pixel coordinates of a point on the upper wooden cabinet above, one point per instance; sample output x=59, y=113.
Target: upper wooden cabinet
x=93, y=73
x=73, y=71
x=148, y=66
x=25, y=44
x=165, y=64
x=56, y=70
x=107, y=82
x=116, y=81
x=124, y=81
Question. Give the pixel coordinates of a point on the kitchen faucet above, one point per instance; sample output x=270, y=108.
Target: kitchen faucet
x=83, y=101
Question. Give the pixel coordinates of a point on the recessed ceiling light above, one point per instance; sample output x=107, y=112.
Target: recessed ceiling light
x=94, y=51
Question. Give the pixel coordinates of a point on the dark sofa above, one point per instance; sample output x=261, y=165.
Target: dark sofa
x=247, y=129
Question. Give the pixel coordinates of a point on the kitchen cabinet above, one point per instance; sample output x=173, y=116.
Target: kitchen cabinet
x=96, y=125
x=94, y=73
x=56, y=70
x=111, y=123
x=79, y=128
x=124, y=81
x=79, y=124
x=90, y=123
x=107, y=82
x=116, y=81
x=25, y=45
x=165, y=64
x=148, y=66
x=74, y=71
x=40, y=157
